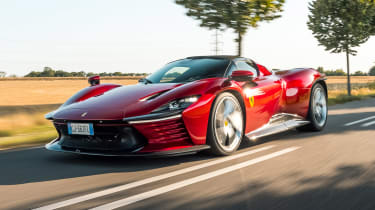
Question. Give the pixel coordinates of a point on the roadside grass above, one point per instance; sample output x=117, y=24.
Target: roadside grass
x=21, y=120
x=5, y=133
x=43, y=135
x=24, y=129
x=341, y=96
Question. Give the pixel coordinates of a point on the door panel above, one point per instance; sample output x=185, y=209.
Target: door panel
x=261, y=101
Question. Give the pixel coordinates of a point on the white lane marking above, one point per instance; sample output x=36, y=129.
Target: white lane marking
x=359, y=121
x=6, y=150
x=368, y=124
x=148, y=180
x=177, y=185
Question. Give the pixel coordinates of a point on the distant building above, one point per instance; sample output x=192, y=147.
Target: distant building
x=2, y=74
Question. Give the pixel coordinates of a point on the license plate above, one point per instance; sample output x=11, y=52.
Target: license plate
x=86, y=129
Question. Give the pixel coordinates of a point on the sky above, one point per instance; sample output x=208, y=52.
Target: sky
x=142, y=36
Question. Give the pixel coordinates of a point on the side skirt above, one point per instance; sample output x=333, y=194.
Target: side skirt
x=277, y=124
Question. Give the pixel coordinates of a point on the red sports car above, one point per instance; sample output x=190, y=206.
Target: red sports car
x=193, y=104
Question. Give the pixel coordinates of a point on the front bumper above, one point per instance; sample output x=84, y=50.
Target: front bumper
x=147, y=135
x=55, y=146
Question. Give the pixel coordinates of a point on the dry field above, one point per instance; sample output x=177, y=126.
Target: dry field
x=37, y=91
x=20, y=92
x=353, y=79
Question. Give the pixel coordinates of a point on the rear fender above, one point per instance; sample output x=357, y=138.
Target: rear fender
x=297, y=84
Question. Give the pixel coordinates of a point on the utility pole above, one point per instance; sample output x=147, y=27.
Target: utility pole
x=348, y=73
x=217, y=42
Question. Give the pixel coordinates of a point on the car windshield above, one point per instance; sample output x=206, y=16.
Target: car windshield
x=187, y=70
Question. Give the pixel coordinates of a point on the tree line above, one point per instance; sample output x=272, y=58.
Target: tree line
x=340, y=72
x=49, y=72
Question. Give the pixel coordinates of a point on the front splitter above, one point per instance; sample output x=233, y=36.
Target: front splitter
x=55, y=146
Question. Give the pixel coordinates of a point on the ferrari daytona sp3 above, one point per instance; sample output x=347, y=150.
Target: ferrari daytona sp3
x=193, y=104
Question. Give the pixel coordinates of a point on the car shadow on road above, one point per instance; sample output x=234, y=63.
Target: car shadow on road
x=347, y=187
x=367, y=103
x=38, y=165
x=335, y=125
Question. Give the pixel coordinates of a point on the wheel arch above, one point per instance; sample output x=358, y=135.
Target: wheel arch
x=324, y=84
x=321, y=82
x=242, y=103
x=239, y=97
x=310, y=126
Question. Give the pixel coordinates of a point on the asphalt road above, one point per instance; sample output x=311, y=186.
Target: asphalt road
x=333, y=169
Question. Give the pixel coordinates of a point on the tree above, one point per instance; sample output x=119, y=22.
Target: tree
x=337, y=72
x=47, y=72
x=118, y=74
x=359, y=73
x=33, y=74
x=2, y=74
x=371, y=3
x=238, y=15
x=341, y=25
x=320, y=69
x=372, y=71
x=90, y=74
x=61, y=73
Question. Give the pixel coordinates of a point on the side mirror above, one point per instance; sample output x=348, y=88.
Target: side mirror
x=242, y=76
x=94, y=80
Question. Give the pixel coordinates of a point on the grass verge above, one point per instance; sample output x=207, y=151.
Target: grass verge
x=341, y=96
x=30, y=136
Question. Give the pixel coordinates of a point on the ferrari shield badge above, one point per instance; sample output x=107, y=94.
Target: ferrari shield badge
x=251, y=100
x=251, y=93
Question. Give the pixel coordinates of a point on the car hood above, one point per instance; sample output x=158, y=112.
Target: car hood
x=115, y=104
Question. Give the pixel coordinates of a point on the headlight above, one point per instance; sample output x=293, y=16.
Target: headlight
x=178, y=104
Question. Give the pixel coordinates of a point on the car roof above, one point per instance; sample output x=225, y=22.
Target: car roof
x=230, y=57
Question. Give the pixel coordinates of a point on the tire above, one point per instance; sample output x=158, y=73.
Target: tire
x=318, y=110
x=226, y=125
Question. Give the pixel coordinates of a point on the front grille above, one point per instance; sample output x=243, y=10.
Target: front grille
x=114, y=137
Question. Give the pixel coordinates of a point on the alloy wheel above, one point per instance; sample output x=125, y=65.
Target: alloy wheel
x=228, y=123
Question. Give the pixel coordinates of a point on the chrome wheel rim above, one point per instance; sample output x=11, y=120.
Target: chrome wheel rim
x=228, y=123
x=319, y=106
